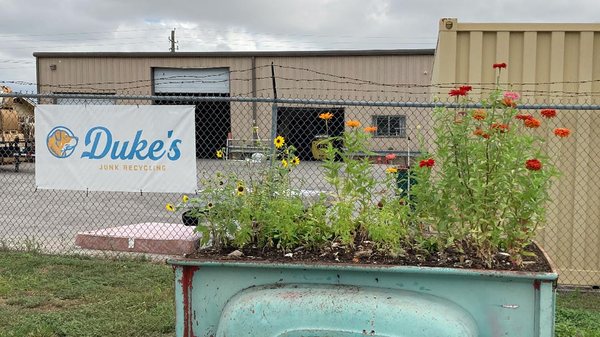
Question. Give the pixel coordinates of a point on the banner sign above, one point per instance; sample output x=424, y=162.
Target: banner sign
x=130, y=148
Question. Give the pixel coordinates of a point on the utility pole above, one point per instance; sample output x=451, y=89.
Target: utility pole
x=173, y=41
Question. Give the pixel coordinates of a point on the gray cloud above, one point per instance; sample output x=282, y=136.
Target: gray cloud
x=136, y=25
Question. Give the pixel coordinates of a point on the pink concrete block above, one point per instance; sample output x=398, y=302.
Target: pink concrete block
x=149, y=237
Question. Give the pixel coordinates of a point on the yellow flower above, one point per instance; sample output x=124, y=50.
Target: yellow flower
x=391, y=170
x=240, y=190
x=170, y=208
x=353, y=123
x=279, y=141
x=185, y=199
x=219, y=154
x=296, y=161
x=326, y=116
x=284, y=163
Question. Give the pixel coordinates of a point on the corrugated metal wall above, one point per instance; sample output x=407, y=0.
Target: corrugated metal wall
x=297, y=77
x=551, y=63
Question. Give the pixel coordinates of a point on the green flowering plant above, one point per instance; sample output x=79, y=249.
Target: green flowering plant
x=486, y=186
x=482, y=190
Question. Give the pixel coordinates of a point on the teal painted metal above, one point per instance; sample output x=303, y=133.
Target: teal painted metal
x=261, y=299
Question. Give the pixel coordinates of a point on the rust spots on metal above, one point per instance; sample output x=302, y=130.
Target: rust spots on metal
x=537, y=284
x=186, y=286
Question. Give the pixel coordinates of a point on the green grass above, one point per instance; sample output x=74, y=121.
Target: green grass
x=52, y=296
x=578, y=315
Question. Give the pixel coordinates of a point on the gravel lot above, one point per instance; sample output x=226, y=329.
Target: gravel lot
x=50, y=219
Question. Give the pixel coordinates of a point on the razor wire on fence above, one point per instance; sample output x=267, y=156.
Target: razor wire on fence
x=235, y=134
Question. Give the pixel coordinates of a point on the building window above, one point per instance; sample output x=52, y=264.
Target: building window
x=390, y=126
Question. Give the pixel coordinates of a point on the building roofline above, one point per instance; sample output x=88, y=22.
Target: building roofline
x=309, y=53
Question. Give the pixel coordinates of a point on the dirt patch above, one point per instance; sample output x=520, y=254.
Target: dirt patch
x=365, y=254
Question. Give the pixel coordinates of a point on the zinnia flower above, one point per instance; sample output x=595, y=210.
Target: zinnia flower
x=532, y=123
x=170, y=208
x=533, y=165
x=479, y=114
x=391, y=170
x=296, y=161
x=219, y=154
x=353, y=123
x=284, y=163
x=370, y=129
x=390, y=156
x=466, y=88
x=185, y=199
x=500, y=127
x=562, y=132
x=509, y=102
x=427, y=163
x=499, y=65
x=548, y=113
x=523, y=117
x=478, y=132
x=458, y=92
x=512, y=95
x=326, y=116
x=279, y=141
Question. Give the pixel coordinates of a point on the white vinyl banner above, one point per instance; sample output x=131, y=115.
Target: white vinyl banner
x=126, y=148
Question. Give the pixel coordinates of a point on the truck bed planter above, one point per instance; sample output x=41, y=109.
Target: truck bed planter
x=222, y=298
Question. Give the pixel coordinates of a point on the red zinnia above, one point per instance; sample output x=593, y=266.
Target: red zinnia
x=458, y=92
x=466, y=88
x=562, y=132
x=499, y=65
x=532, y=123
x=548, y=113
x=427, y=162
x=533, y=165
x=523, y=117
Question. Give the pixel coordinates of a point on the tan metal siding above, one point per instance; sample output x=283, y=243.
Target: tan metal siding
x=547, y=63
x=133, y=76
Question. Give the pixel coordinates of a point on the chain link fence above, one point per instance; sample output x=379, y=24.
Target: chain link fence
x=242, y=130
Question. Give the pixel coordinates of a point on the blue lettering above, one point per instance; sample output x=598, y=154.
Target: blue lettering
x=156, y=146
x=174, y=152
x=101, y=141
x=97, y=133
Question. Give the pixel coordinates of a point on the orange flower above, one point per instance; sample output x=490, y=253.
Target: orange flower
x=326, y=116
x=353, y=123
x=509, y=102
x=532, y=123
x=478, y=132
x=548, y=113
x=370, y=129
x=562, y=132
x=479, y=114
x=500, y=127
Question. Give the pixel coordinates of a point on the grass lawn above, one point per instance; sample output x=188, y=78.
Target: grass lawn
x=43, y=296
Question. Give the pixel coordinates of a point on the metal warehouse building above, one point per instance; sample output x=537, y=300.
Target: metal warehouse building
x=354, y=75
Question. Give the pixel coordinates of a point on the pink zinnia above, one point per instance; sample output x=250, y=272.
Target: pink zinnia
x=390, y=156
x=512, y=95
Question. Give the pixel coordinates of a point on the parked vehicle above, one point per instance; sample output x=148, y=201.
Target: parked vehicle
x=16, y=134
x=233, y=298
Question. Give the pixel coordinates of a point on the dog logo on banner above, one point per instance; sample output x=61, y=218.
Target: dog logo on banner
x=61, y=142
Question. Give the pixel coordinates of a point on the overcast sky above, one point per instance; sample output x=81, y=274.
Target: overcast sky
x=29, y=26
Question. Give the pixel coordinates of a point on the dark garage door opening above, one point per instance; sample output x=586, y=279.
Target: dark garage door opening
x=213, y=121
x=300, y=126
